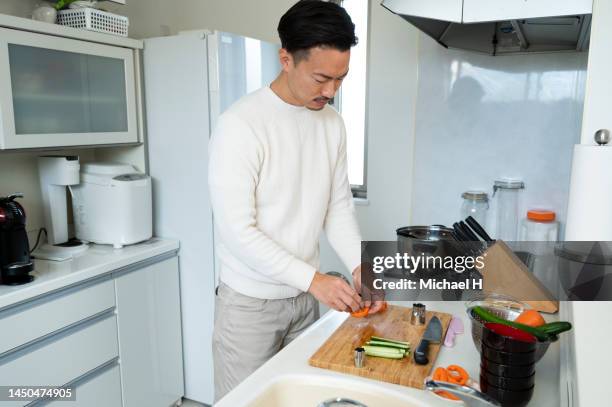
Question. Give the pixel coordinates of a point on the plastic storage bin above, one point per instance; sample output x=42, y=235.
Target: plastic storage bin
x=94, y=20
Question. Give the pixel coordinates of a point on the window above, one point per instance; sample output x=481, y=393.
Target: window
x=352, y=98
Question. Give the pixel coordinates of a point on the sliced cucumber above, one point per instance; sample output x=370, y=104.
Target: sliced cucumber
x=380, y=339
x=383, y=352
x=387, y=344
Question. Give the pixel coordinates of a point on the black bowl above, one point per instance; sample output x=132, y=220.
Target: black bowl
x=522, y=383
x=508, y=398
x=504, y=343
x=508, y=358
x=510, y=371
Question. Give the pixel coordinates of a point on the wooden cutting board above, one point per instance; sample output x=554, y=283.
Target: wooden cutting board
x=337, y=352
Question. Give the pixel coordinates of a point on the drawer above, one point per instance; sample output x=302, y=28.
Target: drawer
x=38, y=318
x=62, y=358
x=101, y=389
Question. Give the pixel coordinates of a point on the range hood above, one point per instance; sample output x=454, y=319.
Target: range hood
x=500, y=27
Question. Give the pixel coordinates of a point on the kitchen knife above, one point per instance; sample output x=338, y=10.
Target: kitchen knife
x=468, y=232
x=459, y=232
x=433, y=333
x=478, y=229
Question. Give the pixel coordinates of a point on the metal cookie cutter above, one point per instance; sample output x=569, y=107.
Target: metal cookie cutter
x=359, y=357
x=417, y=317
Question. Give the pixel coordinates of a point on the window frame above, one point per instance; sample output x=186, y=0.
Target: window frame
x=360, y=191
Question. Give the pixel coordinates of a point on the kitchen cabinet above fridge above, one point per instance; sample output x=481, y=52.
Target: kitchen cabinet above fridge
x=61, y=92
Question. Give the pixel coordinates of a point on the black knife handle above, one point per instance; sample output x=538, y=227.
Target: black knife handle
x=460, y=233
x=468, y=232
x=420, y=354
x=478, y=229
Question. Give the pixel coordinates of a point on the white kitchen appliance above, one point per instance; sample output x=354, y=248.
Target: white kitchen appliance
x=55, y=174
x=190, y=79
x=112, y=205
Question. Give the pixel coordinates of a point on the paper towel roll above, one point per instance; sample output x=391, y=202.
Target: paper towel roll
x=589, y=211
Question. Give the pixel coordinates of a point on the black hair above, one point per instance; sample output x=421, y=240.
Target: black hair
x=315, y=23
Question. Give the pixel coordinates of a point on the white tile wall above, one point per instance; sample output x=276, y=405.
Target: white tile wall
x=479, y=118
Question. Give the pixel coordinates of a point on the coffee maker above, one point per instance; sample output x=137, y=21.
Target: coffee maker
x=15, y=262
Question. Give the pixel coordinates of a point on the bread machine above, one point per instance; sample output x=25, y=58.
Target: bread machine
x=112, y=204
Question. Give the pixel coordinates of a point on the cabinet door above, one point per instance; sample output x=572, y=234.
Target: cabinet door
x=597, y=109
x=99, y=389
x=487, y=10
x=447, y=10
x=149, y=322
x=62, y=92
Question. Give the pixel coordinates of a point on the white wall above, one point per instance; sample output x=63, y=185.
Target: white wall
x=481, y=117
x=153, y=18
x=20, y=8
x=149, y=18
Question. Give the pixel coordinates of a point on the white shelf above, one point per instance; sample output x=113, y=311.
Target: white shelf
x=27, y=24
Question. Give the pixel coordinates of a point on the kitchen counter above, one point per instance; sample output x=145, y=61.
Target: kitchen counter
x=293, y=359
x=96, y=261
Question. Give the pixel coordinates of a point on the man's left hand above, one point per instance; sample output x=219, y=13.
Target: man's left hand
x=365, y=294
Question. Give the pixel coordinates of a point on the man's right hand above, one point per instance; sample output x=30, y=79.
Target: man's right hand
x=334, y=292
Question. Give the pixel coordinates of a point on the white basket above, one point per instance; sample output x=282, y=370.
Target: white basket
x=94, y=20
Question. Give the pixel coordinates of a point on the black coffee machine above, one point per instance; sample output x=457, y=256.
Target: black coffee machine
x=15, y=262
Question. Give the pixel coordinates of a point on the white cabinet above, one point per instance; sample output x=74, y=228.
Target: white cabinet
x=597, y=107
x=151, y=358
x=447, y=10
x=102, y=388
x=495, y=10
x=63, y=92
x=116, y=339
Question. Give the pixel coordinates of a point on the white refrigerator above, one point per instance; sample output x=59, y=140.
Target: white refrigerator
x=190, y=79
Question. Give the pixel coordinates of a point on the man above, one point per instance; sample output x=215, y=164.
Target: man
x=278, y=177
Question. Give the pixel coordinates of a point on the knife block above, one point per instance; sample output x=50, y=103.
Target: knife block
x=505, y=273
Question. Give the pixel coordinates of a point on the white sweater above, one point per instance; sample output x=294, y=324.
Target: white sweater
x=278, y=177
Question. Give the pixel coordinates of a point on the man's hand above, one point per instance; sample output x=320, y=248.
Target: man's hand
x=368, y=300
x=334, y=292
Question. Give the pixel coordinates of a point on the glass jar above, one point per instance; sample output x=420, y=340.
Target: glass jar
x=476, y=205
x=507, y=191
x=540, y=226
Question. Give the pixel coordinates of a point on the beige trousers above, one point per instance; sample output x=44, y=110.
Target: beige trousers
x=248, y=331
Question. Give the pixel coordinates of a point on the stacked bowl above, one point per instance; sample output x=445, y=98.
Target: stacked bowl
x=507, y=355
x=507, y=364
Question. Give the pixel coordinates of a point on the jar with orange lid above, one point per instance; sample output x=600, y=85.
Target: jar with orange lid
x=540, y=226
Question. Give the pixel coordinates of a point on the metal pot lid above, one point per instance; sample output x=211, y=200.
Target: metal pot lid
x=426, y=233
x=479, y=196
x=586, y=252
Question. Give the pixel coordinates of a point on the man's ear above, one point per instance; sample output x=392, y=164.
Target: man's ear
x=286, y=59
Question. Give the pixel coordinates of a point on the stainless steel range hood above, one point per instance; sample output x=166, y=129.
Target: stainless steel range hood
x=500, y=27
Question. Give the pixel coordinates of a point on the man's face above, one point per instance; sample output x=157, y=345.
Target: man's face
x=314, y=79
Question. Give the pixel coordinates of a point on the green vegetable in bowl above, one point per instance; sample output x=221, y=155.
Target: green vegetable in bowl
x=545, y=333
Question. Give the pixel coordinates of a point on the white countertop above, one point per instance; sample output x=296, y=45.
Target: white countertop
x=293, y=360
x=96, y=261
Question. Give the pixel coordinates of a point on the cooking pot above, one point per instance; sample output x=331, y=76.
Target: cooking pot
x=433, y=240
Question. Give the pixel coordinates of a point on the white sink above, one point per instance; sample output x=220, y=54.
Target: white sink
x=310, y=390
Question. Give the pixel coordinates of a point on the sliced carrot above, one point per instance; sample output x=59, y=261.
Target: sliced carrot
x=447, y=395
x=452, y=374
x=530, y=317
x=457, y=375
x=440, y=374
x=383, y=308
x=361, y=313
